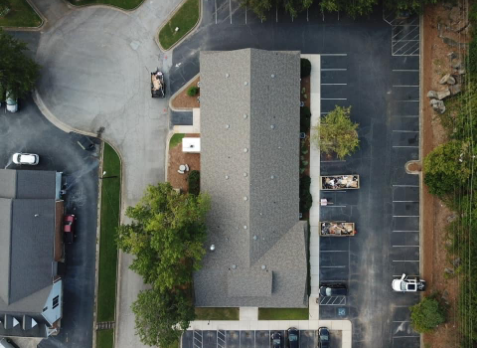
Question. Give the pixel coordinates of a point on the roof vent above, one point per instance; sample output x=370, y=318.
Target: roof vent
x=273, y=76
x=245, y=174
x=37, y=215
x=245, y=83
x=272, y=126
x=245, y=116
x=264, y=267
x=212, y=247
x=226, y=177
x=245, y=227
x=234, y=266
x=227, y=126
x=227, y=75
x=255, y=237
x=272, y=177
x=245, y=150
x=245, y=198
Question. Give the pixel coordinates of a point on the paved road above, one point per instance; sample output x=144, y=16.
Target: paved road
x=373, y=66
x=96, y=64
x=29, y=131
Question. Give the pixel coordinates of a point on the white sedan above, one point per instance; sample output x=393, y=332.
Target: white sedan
x=25, y=158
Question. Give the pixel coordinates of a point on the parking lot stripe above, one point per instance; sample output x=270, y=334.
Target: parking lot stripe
x=333, y=266
x=405, y=146
x=408, y=101
x=334, y=54
x=334, y=69
x=405, y=185
x=334, y=84
x=405, y=70
x=333, y=206
x=405, y=86
x=333, y=251
x=401, y=231
x=405, y=246
x=406, y=336
x=405, y=131
x=405, y=216
x=215, y=11
x=405, y=260
x=333, y=161
x=334, y=98
x=405, y=201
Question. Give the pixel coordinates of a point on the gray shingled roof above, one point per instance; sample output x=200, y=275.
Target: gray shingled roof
x=31, y=233
x=250, y=168
x=24, y=184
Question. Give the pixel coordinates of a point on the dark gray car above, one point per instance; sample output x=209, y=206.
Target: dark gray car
x=333, y=290
x=293, y=337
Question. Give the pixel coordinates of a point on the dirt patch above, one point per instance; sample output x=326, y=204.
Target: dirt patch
x=439, y=35
x=177, y=158
x=183, y=102
x=414, y=167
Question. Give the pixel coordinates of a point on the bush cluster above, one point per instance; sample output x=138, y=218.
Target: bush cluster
x=305, y=67
x=427, y=314
x=192, y=91
x=194, y=182
x=306, y=199
x=305, y=118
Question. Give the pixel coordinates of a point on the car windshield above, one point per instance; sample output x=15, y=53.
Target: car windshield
x=276, y=341
x=324, y=337
x=293, y=338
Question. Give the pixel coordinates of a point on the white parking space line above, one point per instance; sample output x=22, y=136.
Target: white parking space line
x=333, y=251
x=406, y=86
x=334, y=69
x=405, y=260
x=334, y=84
x=405, y=246
x=246, y=9
x=334, y=98
x=216, y=12
x=334, y=54
x=405, y=146
x=402, y=231
x=405, y=185
x=405, y=216
x=408, y=101
x=404, y=131
x=405, y=70
x=330, y=161
x=406, y=336
x=333, y=206
x=333, y=266
x=405, y=201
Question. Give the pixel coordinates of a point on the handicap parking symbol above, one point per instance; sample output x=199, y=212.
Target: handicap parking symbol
x=341, y=312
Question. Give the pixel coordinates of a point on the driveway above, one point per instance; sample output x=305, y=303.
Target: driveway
x=96, y=63
x=29, y=131
x=372, y=65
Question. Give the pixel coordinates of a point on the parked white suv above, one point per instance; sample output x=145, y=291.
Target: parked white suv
x=26, y=158
x=12, y=103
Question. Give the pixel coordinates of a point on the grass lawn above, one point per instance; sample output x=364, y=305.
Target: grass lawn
x=222, y=313
x=176, y=140
x=110, y=195
x=105, y=338
x=124, y=4
x=21, y=15
x=283, y=314
x=185, y=19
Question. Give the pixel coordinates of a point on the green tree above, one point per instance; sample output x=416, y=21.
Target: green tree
x=415, y=6
x=259, y=7
x=352, y=8
x=336, y=133
x=166, y=236
x=161, y=317
x=4, y=7
x=18, y=72
x=447, y=167
x=427, y=314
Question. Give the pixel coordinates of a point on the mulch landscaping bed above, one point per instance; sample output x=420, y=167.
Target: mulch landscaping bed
x=305, y=83
x=183, y=102
x=176, y=158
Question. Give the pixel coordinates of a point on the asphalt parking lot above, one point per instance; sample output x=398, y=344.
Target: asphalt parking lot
x=371, y=64
x=250, y=339
x=29, y=131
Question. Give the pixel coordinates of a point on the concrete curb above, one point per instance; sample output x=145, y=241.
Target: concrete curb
x=38, y=28
x=168, y=139
x=52, y=118
x=98, y=238
x=78, y=7
x=421, y=159
x=178, y=92
x=190, y=32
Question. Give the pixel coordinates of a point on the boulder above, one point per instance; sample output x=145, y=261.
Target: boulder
x=452, y=55
x=447, y=79
x=432, y=94
x=456, y=63
x=438, y=105
x=461, y=71
x=443, y=94
x=449, y=270
x=455, y=89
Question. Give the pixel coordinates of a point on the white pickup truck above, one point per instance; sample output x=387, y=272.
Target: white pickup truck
x=406, y=284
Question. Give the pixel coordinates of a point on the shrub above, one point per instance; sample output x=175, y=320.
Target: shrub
x=446, y=168
x=192, y=91
x=305, y=67
x=194, y=182
x=4, y=8
x=306, y=199
x=305, y=117
x=427, y=314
